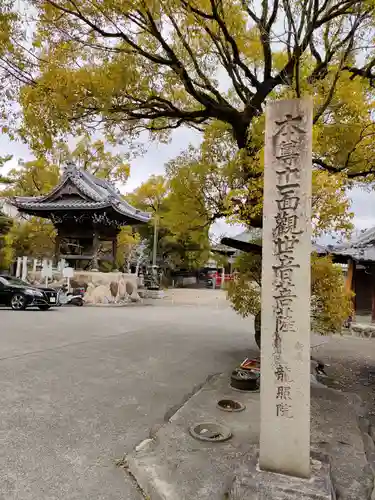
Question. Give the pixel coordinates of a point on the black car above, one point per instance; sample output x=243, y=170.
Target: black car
x=18, y=294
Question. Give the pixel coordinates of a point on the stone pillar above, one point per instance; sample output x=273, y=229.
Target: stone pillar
x=95, y=247
x=19, y=266
x=285, y=353
x=24, y=268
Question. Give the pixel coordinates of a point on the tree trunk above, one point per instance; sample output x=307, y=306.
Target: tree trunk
x=258, y=328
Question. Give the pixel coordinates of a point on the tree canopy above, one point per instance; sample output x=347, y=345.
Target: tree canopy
x=80, y=66
x=207, y=185
x=120, y=68
x=180, y=242
x=40, y=175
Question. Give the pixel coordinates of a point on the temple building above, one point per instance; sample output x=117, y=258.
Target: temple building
x=87, y=213
x=357, y=257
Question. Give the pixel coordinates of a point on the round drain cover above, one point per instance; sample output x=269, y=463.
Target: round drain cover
x=230, y=405
x=210, y=431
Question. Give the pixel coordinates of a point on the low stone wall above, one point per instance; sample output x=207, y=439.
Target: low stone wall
x=101, y=288
x=362, y=330
x=97, y=278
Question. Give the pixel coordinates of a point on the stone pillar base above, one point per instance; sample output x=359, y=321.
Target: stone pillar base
x=255, y=484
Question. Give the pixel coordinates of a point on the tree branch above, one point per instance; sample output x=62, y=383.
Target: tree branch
x=323, y=165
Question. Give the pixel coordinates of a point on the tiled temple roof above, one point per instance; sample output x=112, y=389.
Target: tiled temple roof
x=250, y=241
x=91, y=193
x=360, y=249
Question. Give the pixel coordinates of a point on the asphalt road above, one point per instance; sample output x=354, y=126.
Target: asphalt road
x=80, y=387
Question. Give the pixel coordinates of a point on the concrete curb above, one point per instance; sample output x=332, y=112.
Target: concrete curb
x=148, y=481
x=174, y=466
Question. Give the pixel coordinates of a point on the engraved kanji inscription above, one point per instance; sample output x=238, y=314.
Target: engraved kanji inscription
x=285, y=243
x=286, y=140
x=285, y=324
x=286, y=224
x=282, y=373
x=288, y=177
x=283, y=392
x=284, y=410
x=288, y=200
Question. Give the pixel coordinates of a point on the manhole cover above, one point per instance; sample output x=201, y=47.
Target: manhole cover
x=209, y=431
x=230, y=405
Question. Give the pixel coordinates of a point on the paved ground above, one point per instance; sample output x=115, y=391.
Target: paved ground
x=80, y=387
x=351, y=367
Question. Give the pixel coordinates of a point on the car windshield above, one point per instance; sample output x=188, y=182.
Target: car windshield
x=9, y=280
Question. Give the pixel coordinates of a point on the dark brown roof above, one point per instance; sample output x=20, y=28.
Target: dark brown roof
x=90, y=193
x=250, y=241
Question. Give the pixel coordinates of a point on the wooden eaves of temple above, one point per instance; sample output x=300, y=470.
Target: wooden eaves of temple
x=86, y=212
x=358, y=255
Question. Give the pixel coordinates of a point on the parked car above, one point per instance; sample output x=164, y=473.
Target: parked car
x=19, y=294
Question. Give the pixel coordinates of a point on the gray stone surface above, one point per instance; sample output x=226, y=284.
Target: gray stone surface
x=175, y=466
x=335, y=430
x=80, y=387
x=286, y=290
x=253, y=484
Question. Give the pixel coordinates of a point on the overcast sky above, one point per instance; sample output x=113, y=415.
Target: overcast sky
x=151, y=163
x=157, y=155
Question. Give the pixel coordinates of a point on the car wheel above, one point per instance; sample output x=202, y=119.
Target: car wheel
x=77, y=301
x=18, y=302
x=44, y=308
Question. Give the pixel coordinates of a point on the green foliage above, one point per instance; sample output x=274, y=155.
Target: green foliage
x=32, y=178
x=127, y=244
x=187, y=62
x=244, y=290
x=180, y=242
x=94, y=157
x=5, y=223
x=34, y=237
x=331, y=305
x=5, y=249
x=208, y=183
x=39, y=176
x=211, y=65
x=4, y=179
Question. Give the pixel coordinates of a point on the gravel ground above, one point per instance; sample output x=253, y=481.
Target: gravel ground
x=351, y=366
